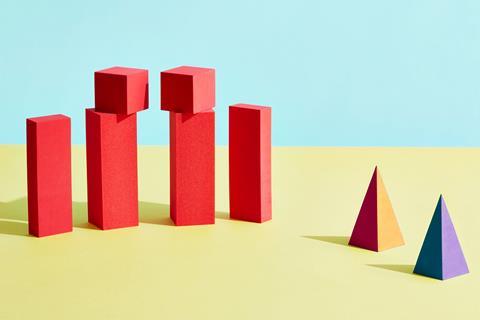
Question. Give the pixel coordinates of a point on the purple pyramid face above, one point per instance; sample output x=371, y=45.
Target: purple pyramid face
x=441, y=256
x=453, y=261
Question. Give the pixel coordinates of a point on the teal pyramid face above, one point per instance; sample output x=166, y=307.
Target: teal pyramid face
x=441, y=256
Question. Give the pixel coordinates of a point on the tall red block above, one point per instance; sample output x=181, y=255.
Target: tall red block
x=192, y=168
x=250, y=162
x=121, y=90
x=49, y=175
x=188, y=89
x=112, y=169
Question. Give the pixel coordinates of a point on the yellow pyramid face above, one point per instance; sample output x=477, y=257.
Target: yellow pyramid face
x=388, y=231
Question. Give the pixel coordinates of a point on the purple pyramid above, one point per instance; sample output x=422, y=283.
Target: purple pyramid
x=441, y=256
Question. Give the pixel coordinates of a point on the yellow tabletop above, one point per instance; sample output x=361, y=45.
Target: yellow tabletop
x=297, y=266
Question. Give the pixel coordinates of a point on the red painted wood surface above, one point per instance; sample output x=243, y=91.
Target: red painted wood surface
x=188, y=89
x=121, y=90
x=192, y=168
x=250, y=162
x=112, y=177
x=49, y=175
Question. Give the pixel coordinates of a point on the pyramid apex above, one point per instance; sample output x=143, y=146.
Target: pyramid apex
x=441, y=201
x=376, y=172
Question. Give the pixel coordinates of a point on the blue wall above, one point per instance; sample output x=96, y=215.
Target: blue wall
x=343, y=72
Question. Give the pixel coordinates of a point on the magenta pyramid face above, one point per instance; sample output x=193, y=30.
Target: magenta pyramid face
x=364, y=233
x=441, y=256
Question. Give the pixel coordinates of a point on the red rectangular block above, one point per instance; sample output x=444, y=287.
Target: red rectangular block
x=121, y=90
x=49, y=175
x=112, y=179
x=188, y=89
x=192, y=168
x=250, y=162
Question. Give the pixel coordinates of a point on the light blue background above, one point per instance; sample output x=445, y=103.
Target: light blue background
x=338, y=72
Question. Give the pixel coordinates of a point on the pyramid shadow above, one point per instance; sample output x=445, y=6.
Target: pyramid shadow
x=402, y=268
x=339, y=240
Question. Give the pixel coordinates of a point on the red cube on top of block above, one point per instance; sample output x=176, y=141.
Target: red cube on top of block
x=188, y=89
x=121, y=90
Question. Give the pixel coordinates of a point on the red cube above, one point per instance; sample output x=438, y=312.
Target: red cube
x=121, y=90
x=188, y=89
